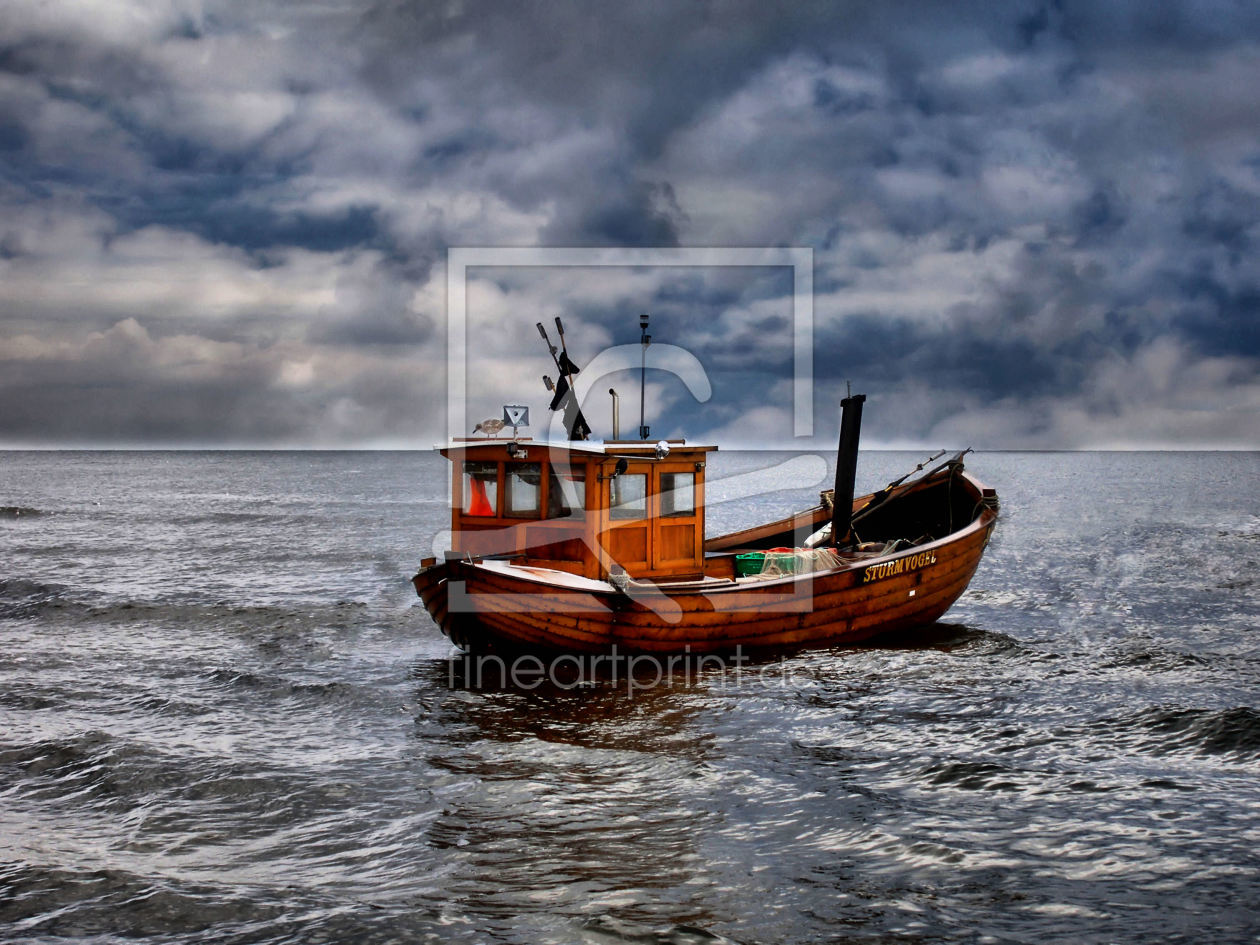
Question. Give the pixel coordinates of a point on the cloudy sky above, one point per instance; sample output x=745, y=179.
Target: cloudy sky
x=1033, y=223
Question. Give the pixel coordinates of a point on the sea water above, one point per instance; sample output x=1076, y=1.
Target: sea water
x=226, y=718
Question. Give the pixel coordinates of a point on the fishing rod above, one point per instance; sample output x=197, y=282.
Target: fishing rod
x=896, y=482
x=952, y=461
x=880, y=497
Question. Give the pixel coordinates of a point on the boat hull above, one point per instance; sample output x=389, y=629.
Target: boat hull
x=495, y=605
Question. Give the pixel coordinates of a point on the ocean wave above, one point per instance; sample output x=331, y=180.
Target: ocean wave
x=26, y=698
x=285, y=518
x=94, y=768
x=180, y=791
x=1154, y=660
x=19, y=511
x=608, y=929
x=1231, y=733
x=25, y=598
x=63, y=757
x=972, y=775
x=278, y=685
x=69, y=903
x=20, y=598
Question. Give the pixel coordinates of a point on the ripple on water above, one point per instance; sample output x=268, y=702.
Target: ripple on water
x=226, y=721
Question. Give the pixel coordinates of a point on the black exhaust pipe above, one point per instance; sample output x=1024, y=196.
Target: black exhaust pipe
x=846, y=470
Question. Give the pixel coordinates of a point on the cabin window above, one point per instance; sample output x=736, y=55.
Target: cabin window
x=523, y=490
x=566, y=491
x=481, y=488
x=678, y=494
x=629, y=496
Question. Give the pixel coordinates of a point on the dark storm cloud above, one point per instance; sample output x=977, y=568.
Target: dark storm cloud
x=1034, y=223
x=250, y=228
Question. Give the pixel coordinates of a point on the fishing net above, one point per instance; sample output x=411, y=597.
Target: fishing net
x=779, y=562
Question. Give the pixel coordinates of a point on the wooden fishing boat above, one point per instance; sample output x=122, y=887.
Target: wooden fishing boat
x=590, y=548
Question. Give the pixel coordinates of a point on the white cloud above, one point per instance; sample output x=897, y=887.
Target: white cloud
x=257, y=199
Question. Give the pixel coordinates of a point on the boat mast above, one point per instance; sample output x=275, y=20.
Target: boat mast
x=644, y=339
x=846, y=470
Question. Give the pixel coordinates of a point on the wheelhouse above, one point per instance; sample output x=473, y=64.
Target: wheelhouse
x=591, y=509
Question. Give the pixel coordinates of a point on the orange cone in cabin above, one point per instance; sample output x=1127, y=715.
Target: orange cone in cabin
x=480, y=504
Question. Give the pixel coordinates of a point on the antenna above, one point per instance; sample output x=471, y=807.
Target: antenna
x=644, y=339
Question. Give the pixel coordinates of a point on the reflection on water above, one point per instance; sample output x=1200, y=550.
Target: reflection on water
x=585, y=802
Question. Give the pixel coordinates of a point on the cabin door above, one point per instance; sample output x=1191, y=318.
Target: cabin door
x=627, y=537
x=675, y=543
x=655, y=520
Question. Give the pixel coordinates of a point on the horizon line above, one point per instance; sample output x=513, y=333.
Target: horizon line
x=731, y=449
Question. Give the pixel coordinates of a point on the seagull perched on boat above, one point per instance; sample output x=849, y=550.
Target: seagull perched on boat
x=489, y=427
